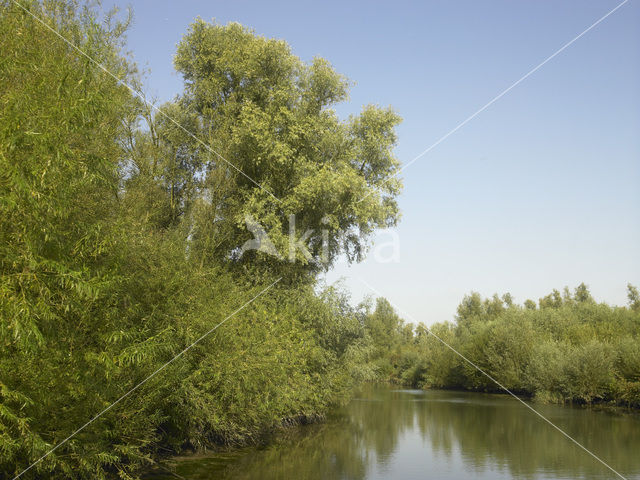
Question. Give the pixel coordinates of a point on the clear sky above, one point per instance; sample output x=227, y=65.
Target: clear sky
x=539, y=191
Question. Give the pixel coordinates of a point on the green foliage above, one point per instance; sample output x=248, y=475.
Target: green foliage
x=545, y=372
x=589, y=371
x=384, y=325
x=441, y=366
x=269, y=114
x=118, y=233
x=570, y=349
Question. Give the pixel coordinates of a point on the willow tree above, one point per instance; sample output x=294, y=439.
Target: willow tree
x=60, y=126
x=268, y=148
x=110, y=256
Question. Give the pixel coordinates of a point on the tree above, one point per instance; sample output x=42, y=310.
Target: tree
x=61, y=126
x=116, y=241
x=553, y=300
x=590, y=371
x=163, y=167
x=507, y=298
x=384, y=325
x=471, y=307
x=288, y=161
x=584, y=351
x=582, y=295
x=494, y=306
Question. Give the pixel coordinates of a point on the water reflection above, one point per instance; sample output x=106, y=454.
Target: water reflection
x=400, y=434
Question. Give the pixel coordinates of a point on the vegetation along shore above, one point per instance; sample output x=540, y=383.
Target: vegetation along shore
x=123, y=276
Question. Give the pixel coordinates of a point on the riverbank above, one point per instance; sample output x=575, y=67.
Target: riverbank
x=596, y=405
x=567, y=349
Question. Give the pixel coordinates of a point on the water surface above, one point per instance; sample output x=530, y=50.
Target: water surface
x=386, y=433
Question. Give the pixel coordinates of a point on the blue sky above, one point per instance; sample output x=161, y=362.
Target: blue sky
x=539, y=191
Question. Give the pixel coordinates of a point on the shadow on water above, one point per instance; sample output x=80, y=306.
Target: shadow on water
x=402, y=434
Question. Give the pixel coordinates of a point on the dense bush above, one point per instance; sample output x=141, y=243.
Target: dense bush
x=120, y=240
x=569, y=348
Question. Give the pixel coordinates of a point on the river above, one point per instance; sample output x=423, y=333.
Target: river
x=387, y=433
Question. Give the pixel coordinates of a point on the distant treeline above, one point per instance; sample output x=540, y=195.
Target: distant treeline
x=565, y=348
